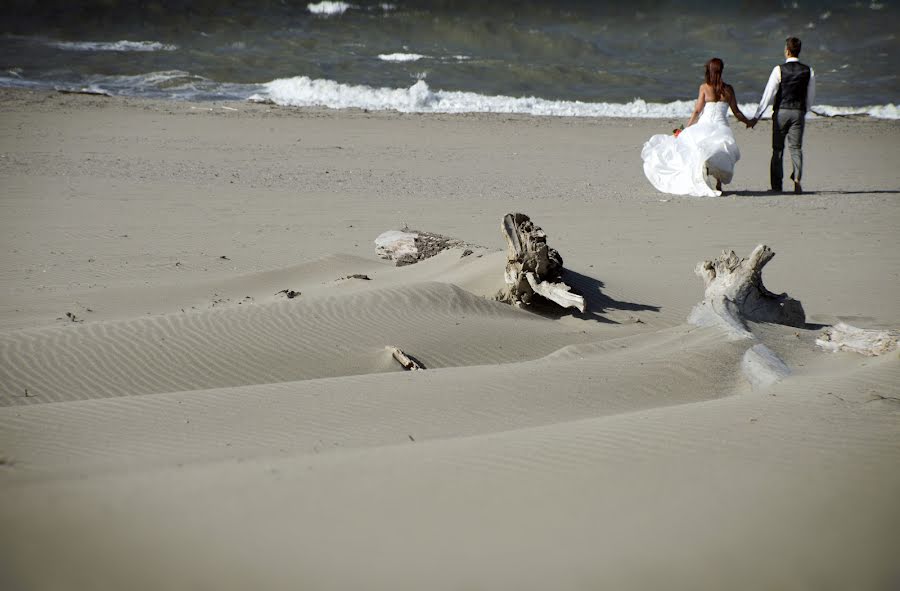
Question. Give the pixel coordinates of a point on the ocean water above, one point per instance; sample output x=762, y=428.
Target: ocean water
x=563, y=58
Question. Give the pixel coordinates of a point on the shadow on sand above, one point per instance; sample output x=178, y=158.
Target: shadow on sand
x=595, y=301
x=807, y=193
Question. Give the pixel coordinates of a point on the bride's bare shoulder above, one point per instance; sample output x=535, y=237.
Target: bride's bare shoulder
x=709, y=94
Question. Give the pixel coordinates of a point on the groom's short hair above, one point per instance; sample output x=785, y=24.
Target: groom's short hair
x=792, y=44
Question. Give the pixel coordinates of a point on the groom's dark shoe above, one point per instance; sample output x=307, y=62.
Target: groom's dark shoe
x=776, y=190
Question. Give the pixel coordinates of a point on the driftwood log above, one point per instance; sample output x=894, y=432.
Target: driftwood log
x=403, y=359
x=843, y=337
x=406, y=247
x=735, y=293
x=532, y=267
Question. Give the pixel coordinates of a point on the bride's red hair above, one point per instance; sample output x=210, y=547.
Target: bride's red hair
x=714, y=69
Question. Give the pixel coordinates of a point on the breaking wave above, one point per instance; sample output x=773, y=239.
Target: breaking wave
x=328, y=8
x=303, y=91
x=400, y=57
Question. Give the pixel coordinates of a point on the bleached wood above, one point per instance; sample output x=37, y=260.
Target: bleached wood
x=403, y=359
x=395, y=245
x=409, y=247
x=762, y=367
x=735, y=293
x=868, y=342
x=556, y=292
x=533, y=267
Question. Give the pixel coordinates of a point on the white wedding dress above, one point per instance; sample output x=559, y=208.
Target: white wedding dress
x=691, y=163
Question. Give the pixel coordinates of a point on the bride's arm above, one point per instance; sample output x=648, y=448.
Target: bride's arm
x=698, y=108
x=732, y=102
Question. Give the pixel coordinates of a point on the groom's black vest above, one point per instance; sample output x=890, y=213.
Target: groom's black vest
x=792, y=90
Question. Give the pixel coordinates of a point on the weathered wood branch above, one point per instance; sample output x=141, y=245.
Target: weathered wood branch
x=556, y=292
x=868, y=342
x=405, y=360
x=735, y=293
x=532, y=267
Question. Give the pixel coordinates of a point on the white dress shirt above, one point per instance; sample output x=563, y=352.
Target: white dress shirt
x=772, y=88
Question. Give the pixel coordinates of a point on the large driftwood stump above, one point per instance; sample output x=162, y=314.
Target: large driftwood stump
x=533, y=267
x=868, y=342
x=735, y=293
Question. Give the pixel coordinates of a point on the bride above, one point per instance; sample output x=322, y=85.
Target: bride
x=704, y=154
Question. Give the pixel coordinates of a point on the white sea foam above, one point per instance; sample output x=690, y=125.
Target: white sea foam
x=168, y=79
x=123, y=45
x=164, y=84
x=303, y=91
x=888, y=111
x=400, y=57
x=328, y=8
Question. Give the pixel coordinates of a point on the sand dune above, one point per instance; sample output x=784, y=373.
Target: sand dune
x=323, y=415
x=310, y=336
x=194, y=428
x=626, y=500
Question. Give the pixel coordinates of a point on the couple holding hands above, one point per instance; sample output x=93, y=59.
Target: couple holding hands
x=700, y=159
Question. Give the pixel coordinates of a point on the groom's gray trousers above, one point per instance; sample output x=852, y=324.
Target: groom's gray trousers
x=787, y=124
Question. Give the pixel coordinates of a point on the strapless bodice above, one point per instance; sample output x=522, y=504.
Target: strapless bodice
x=714, y=112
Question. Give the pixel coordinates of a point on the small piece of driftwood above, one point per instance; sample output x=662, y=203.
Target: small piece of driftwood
x=405, y=360
x=868, y=342
x=556, y=292
x=532, y=267
x=735, y=293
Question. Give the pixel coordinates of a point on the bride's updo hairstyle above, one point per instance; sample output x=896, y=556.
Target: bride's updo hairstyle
x=714, y=69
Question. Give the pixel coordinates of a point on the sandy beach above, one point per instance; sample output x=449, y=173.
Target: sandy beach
x=169, y=420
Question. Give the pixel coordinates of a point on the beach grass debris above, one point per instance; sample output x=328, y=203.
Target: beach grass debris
x=408, y=362
x=290, y=293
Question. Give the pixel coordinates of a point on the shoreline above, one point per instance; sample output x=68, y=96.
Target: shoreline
x=17, y=93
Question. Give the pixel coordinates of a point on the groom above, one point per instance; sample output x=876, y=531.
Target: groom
x=791, y=91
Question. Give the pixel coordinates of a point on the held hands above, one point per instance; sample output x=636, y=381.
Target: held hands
x=751, y=123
